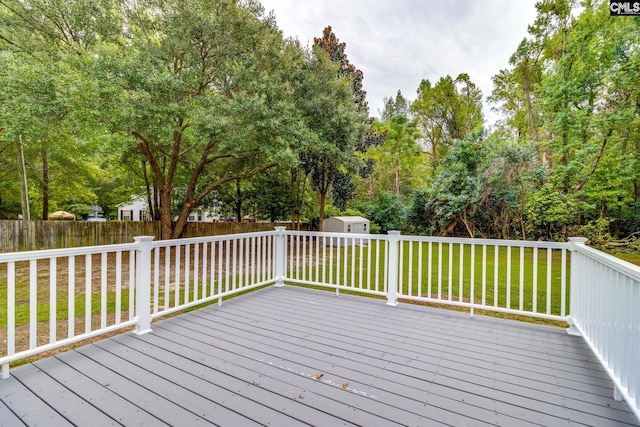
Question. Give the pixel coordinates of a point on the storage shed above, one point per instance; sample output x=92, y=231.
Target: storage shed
x=346, y=224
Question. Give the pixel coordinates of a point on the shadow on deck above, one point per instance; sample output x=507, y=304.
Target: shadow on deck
x=293, y=356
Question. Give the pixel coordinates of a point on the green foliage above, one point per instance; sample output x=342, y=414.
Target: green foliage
x=418, y=216
x=446, y=112
x=387, y=211
x=548, y=210
x=456, y=188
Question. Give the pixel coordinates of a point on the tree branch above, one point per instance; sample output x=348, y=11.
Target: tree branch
x=595, y=165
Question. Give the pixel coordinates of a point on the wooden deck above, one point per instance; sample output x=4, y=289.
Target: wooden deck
x=291, y=356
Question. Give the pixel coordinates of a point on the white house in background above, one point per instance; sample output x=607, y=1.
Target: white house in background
x=137, y=209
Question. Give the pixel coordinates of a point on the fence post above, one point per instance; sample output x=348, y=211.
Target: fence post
x=574, y=305
x=392, y=279
x=280, y=259
x=143, y=285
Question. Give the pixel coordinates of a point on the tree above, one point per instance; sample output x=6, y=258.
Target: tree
x=457, y=186
x=397, y=160
x=398, y=106
x=446, y=112
x=333, y=112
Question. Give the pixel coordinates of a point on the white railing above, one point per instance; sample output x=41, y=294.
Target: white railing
x=605, y=311
x=57, y=297
x=516, y=277
x=54, y=298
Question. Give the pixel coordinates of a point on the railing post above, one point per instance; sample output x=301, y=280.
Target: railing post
x=143, y=285
x=575, y=284
x=280, y=259
x=392, y=279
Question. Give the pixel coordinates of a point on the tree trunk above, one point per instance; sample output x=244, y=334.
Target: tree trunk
x=24, y=195
x=45, y=182
x=321, y=199
x=166, y=220
x=238, y=201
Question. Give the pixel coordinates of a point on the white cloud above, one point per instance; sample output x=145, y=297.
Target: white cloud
x=397, y=44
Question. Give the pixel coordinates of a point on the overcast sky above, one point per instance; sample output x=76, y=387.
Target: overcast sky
x=397, y=43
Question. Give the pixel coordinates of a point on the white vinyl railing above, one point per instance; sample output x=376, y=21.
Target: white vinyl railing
x=605, y=311
x=57, y=297
x=53, y=298
x=516, y=277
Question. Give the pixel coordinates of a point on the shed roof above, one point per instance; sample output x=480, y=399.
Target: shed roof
x=350, y=219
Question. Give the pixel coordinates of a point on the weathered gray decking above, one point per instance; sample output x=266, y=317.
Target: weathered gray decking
x=291, y=356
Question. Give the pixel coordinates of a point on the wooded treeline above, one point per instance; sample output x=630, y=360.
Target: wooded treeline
x=203, y=104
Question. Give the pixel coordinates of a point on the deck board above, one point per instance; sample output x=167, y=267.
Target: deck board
x=293, y=356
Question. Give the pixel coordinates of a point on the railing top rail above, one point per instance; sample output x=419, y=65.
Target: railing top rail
x=434, y=239
x=223, y=237
x=336, y=234
x=620, y=265
x=490, y=242
x=66, y=252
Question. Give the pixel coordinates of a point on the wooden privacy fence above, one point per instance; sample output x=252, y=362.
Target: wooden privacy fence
x=18, y=236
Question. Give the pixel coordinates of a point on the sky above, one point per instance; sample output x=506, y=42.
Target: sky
x=398, y=43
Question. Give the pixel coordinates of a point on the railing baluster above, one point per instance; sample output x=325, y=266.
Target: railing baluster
x=450, y=277
x=484, y=274
x=345, y=258
x=496, y=254
x=410, y=270
x=353, y=262
x=378, y=243
x=11, y=315
x=53, y=298
x=132, y=283
x=176, y=297
x=369, y=266
x=534, y=296
x=472, y=295
x=521, y=281
x=439, y=270
x=118, y=302
x=227, y=259
x=33, y=303
x=461, y=278
x=103, y=291
x=360, y=262
x=187, y=272
x=240, y=270
x=430, y=271
x=167, y=277
x=205, y=269
x=549, y=268
x=156, y=279
x=563, y=283
x=420, y=244
x=87, y=293
x=317, y=240
x=71, y=302
x=212, y=270
x=220, y=261
x=509, y=276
